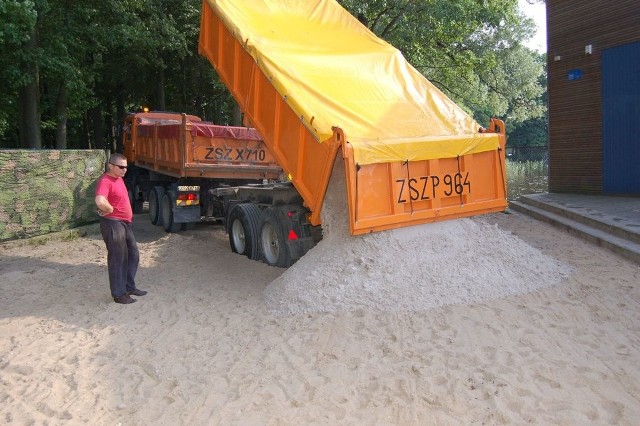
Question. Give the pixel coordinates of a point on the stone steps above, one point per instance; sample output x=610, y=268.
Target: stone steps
x=589, y=224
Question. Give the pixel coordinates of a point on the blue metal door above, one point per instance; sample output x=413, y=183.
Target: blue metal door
x=621, y=119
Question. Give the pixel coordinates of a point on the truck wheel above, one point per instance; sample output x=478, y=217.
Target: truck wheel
x=168, y=201
x=274, y=244
x=244, y=237
x=155, y=204
x=136, y=204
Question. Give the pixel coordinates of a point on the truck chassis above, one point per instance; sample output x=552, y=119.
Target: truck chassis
x=189, y=171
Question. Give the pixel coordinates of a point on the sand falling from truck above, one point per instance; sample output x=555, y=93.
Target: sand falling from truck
x=415, y=268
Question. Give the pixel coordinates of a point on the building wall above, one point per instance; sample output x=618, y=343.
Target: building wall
x=574, y=85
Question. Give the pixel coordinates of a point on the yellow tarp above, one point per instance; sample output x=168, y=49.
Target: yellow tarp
x=335, y=72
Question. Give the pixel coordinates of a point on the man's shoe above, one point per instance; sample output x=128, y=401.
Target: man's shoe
x=125, y=300
x=136, y=292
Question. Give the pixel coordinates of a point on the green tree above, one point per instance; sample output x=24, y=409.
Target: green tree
x=69, y=71
x=470, y=49
x=533, y=131
x=17, y=73
x=86, y=62
x=148, y=58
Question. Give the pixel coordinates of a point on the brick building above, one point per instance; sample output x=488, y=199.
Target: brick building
x=594, y=96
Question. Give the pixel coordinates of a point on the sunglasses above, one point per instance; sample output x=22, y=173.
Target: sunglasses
x=119, y=166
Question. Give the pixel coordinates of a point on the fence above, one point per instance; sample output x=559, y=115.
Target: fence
x=52, y=190
x=44, y=191
x=527, y=170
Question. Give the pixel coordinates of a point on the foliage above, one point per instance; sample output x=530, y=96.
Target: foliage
x=529, y=133
x=533, y=131
x=99, y=60
x=470, y=49
x=530, y=177
x=17, y=18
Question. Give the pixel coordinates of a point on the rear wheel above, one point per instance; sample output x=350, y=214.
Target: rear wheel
x=155, y=204
x=274, y=244
x=168, y=201
x=244, y=237
x=136, y=203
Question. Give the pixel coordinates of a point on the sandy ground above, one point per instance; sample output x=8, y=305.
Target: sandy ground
x=202, y=348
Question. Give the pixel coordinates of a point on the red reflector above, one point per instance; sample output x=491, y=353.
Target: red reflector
x=293, y=235
x=187, y=197
x=289, y=214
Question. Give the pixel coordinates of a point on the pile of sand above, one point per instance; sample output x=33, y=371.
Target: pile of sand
x=414, y=268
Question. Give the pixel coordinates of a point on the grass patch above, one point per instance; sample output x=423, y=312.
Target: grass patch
x=68, y=235
x=526, y=177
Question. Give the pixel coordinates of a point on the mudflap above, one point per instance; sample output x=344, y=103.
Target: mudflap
x=294, y=221
x=186, y=214
x=297, y=248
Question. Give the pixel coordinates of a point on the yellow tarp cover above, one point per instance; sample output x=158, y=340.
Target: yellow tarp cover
x=335, y=72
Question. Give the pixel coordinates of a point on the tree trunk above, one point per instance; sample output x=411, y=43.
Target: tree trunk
x=160, y=92
x=97, y=128
x=237, y=116
x=29, y=121
x=29, y=118
x=111, y=139
x=61, y=117
x=86, y=131
x=120, y=110
x=120, y=113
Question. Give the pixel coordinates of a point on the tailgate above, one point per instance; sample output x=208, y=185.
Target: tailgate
x=396, y=194
x=228, y=152
x=204, y=150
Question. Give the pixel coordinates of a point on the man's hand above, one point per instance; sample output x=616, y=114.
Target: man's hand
x=104, y=207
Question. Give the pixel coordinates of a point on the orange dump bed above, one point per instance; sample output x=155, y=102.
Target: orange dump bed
x=390, y=195
x=185, y=146
x=313, y=81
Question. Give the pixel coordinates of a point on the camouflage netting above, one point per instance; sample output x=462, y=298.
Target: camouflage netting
x=47, y=190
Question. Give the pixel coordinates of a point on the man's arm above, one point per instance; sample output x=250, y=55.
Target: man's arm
x=104, y=207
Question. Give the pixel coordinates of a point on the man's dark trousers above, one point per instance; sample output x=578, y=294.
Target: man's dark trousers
x=122, y=255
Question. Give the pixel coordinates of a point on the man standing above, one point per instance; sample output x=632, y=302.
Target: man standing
x=116, y=216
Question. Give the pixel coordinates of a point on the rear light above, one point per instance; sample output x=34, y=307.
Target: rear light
x=292, y=235
x=187, y=199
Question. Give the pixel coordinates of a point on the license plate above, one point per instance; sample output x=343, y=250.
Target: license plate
x=423, y=188
x=235, y=154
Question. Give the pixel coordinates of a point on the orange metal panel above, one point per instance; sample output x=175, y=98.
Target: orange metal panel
x=166, y=144
x=380, y=196
x=393, y=195
x=307, y=161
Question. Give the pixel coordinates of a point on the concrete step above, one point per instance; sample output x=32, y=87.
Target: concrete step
x=595, y=234
x=621, y=226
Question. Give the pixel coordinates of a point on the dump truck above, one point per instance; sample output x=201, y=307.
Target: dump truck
x=177, y=159
x=189, y=170
x=320, y=87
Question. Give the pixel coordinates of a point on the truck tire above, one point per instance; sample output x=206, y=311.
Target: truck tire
x=136, y=204
x=155, y=204
x=244, y=236
x=168, y=201
x=275, y=251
